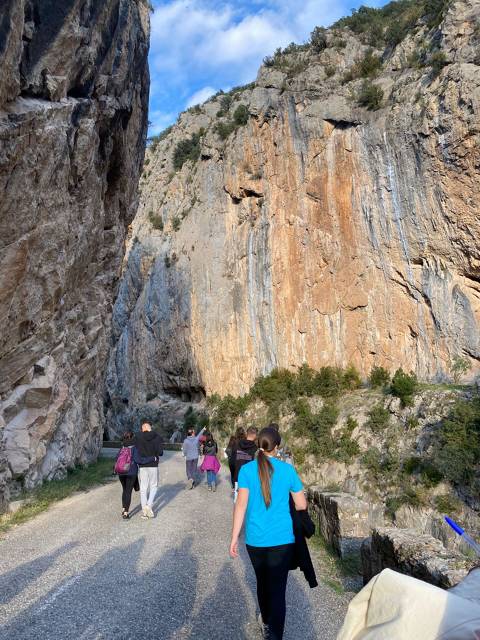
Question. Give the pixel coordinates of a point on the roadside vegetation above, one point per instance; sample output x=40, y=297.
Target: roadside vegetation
x=308, y=403
x=39, y=500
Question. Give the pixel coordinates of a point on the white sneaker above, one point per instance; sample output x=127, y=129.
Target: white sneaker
x=150, y=513
x=190, y=484
x=144, y=515
x=209, y=487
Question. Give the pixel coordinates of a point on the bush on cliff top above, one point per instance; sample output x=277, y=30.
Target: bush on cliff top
x=188, y=149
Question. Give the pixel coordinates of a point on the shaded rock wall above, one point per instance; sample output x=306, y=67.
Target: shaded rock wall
x=73, y=105
x=320, y=232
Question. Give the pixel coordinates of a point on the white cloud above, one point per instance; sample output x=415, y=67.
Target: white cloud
x=199, y=44
x=160, y=121
x=200, y=96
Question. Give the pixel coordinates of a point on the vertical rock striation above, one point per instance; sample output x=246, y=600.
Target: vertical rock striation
x=319, y=232
x=73, y=119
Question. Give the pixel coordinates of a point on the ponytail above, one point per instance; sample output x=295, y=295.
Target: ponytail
x=268, y=439
x=265, y=471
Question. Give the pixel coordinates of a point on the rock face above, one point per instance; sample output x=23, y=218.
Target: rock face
x=319, y=232
x=73, y=104
x=415, y=554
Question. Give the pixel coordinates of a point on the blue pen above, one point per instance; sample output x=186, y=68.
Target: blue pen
x=461, y=532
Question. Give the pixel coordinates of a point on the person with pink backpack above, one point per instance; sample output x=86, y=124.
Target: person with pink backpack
x=126, y=467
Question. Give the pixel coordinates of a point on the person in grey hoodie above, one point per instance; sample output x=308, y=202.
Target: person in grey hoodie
x=190, y=449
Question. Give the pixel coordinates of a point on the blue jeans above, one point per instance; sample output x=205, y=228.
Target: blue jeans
x=211, y=477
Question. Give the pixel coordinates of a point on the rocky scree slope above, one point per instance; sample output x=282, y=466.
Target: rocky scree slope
x=326, y=214
x=73, y=104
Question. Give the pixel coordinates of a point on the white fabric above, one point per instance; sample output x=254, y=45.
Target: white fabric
x=393, y=606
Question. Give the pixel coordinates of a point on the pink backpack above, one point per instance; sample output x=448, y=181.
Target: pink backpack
x=123, y=461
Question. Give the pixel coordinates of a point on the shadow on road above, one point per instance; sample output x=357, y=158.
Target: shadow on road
x=224, y=612
x=114, y=599
x=15, y=581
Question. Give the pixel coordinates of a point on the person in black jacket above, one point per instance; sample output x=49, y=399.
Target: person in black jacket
x=148, y=444
x=245, y=452
x=231, y=452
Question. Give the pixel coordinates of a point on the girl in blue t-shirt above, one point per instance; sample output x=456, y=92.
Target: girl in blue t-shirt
x=264, y=488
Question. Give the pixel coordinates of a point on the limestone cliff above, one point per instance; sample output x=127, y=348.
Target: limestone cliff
x=73, y=104
x=305, y=227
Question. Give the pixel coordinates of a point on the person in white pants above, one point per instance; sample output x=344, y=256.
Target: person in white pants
x=149, y=446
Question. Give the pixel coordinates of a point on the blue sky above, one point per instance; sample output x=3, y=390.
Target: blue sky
x=201, y=46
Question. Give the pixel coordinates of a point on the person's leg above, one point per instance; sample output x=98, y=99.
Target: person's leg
x=209, y=478
x=153, y=485
x=128, y=488
x=278, y=560
x=258, y=559
x=143, y=479
x=232, y=474
x=123, y=482
x=214, y=481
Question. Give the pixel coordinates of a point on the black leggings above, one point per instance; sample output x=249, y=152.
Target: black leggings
x=128, y=482
x=271, y=565
x=231, y=466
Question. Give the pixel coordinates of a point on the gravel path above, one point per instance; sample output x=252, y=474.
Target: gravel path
x=80, y=571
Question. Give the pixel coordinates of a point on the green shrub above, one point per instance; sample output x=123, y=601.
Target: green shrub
x=372, y=461
x=351, y=379
x=346, y=449
x=411, y=496
x=447, y=504
x=279, y=386
x=318, y=39
x=321, y=430
x=404, y=386
x=417, y=59
x=224, y=129
x=424, y=468
x=369, y=65
x=457, y=451
x=305, y=381
x=458, y=367
x=155, y=220
x=370, y=96
x=176, y=223
x=379, y=377
x=188, y=149
x=339, y=43
x=241, y=115
x=378, y=419
x=329, y=382
x=329, y=70
x=434, y=12
x=194, y=420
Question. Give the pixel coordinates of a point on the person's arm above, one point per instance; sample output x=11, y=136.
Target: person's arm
x=238, y=518
x=142, y=459
x=197, y=437
x=296, y=490
x=160, y=448
x=183, y=449
x=300, y=500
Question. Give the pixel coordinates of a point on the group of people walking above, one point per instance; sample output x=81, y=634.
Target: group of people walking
x=269, y=500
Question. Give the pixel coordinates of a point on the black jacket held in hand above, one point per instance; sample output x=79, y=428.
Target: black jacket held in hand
x=303, y=528
x=149, y=443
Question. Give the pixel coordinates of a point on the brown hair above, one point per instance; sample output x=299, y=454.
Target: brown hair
x=239, y=433
x=252, y=431
x=268, y=439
